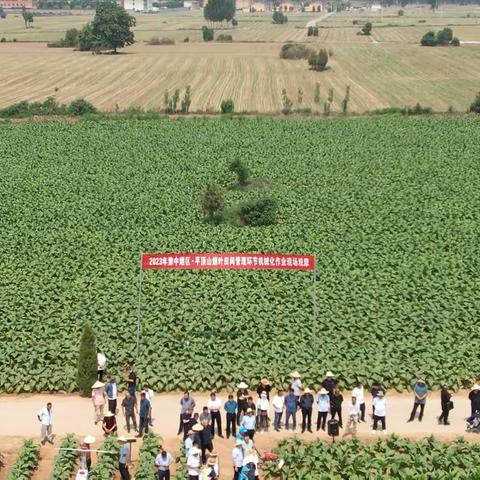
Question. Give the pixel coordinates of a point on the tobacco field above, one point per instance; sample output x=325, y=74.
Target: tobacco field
x=389, y=206
x=384, y=459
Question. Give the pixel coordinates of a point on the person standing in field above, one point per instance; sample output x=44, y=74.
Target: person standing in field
x=359, y=393
x=296, y=385
x=214, y=405
x=85, y=448
x=124, y=455
x=420, y=392
x=263, y=407
x=205, y=417
x=249, y=423
x=242, y=395
x=237, y=457
x=291, y=406
x=329, y=383
x=112, y=394
x=188, y=443
x=278, y=404
x=206, y=441
x=145, y=414
x=447, y=405
x=149, y=396
x=187, y=403
x=194, y=463
x=163, y=462
x=376, y=388
x=101, y=365
x=379, y=404
x=187, y=422
x=98, y=400
x=264, y=386
x=353, y=416
x=130, y=408
x=131, y=381
x=323, y=404
x=474, y=397
x=45, y=417
x=306, y=405
x=231, y=416
x=336, y=400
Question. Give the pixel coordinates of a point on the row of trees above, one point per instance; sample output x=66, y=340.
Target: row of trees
x=442, y=38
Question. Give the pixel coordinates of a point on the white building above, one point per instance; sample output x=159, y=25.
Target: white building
x=137, y=5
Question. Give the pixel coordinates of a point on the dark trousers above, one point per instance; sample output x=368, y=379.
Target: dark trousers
x=277, y=420
x=128, y=417
x=236, y=473
x=231, y=424
x=337, y=411
x=294, y=419
x=321, y=420
x=180, y=425
x=362, y=412
x=100, y=374
x=306, y=419
x=444, y=416
x=216, y=418
x=193, y=477
x=251, y=433
x=144, y=422
x=206, y=447
x=124, y=473
x=241, y=411
x=414, y=411
x=112, y=406
x=164, y=475
x=377, y=419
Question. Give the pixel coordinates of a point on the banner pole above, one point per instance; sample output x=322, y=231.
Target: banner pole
x=314, y=301
x=139, y=306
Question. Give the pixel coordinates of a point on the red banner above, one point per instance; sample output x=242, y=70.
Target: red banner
x=242, y=261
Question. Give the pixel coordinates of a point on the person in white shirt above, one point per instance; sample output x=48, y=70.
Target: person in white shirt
x=194, y=463
x=379, y=404
x=101, y=365
x=188, y=444
x=353, y=414
x=214, y=406
x=237, y=457
x=263, y=407
x=278, y=403
x=249, y=421
x=296, y=385
x=323, y=405
x=359, y=394
x=163, y=462
x=45, y=417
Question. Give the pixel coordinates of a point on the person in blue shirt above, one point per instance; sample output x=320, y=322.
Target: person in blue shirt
x=123, y=458
x=420, y=391
x=145, y=413
x=291, y=406
x=323, y=404
x=231, y=409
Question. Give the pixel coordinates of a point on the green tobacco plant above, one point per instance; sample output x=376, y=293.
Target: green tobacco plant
x=26, y=462
x=66, y=460
x=107, y=463
x=146, y=464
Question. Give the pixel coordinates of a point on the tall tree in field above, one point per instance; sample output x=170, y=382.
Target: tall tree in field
x=27, y=17
x=219, y=10
x=112, y=26
x=87, y=361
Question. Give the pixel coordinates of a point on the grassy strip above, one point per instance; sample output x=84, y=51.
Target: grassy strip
x=146, y=469
x=66, y=460
x=27, y=461
x=106, y=465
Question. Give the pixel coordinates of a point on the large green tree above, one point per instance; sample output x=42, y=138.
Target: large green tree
x=219, y=10
x=112, y=25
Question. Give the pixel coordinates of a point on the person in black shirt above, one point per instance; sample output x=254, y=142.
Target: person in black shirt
x=336, y=400
x=329, y=383
x=206, y=441
x=474, y=397
x=129, y=405
x=306, y=405
x=264, y=386
x=242, y=395
x=187, y=422
x=131, y=381
x=445, y=397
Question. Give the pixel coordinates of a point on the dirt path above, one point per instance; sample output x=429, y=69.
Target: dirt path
x=74, y=414
x=315, y=21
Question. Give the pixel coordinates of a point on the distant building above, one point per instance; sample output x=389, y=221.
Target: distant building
x=315, y=7
x=19, y=4
x=376, y=8
x=137, y=5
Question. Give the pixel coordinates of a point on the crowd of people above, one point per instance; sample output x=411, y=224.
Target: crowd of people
x=248, y=412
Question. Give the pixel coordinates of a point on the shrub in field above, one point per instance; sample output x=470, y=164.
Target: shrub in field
x=227, y=106
x=186, y=39
x=318, y=60
x=3, y=40
x=80, y=107
x=455, y=42
x=26, y=109
x=401, y=13
x=316, y=97
x=223, y=37
x=26, y=462
x=429, y=39
x=187, y=100
x=241, y=171
x=107, y=463
x=146, y=469
x=312, y=32
x=207, y=34
x=279, y=18
x=258, y=213
x=87, y=361
x=366, y=29
x=161, y=41
x=475, y=106
x=444, y=36
x=294, y=51
x=212, y=202
x=234, y=22
x=71, y=38
x=87, y=41
x=66, y=460
x=286, y=103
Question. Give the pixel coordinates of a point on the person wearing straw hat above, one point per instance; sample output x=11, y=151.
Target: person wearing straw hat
x=329, y=383
x=420, y=392
x=85, y=448
x=323, y=405
x=196, y=429
x=474, y=397
x=98, y=400
x=123, y=456
x=278, y=404
x=188, y=442
x=359, y=393
x=291, y=407
x=249, y=422
x=379, y=404
x=214, y=405
x=214, y=463
x=306, y=405
x=231, y=416
x=296, y=385
x=242, y=395
x=194, y=463
x=263, y=408
x=264, y=386
x=237, y=457
x=163, y=461
x=109, y=424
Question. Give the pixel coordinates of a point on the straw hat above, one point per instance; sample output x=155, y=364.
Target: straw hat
x=197, y=428
x=323, y=391
x=242, y=385
x=109, y=414
x=476, y=386
x=295, y=374
x=211, y=462
x=421, y=380
x=238, y=443
x=307, y=390
x=98, y=384
x=380, y=393
x=264, y=381
x=329, y=374
x=190, y=432
x=122, y=439
x=264, y=394
x=195, y=451
x=89, y=439
x=249, y=410
x=213, y=454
